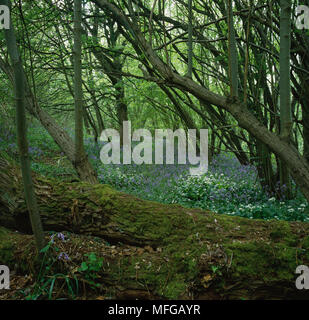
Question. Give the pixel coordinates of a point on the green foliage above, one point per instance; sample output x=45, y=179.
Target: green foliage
x=90, y=268
x=6, y=254
x=57, y=170
x=50, y=265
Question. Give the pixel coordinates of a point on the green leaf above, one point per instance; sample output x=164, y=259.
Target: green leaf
x=45, y=249
x=84, y=266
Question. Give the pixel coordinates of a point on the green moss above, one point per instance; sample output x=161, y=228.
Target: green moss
x=265, y=261
x=6, y=248
x=281, y=230
x=305, y=243
x=176, y=288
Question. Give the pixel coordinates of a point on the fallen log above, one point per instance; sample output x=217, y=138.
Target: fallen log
x=180, y=252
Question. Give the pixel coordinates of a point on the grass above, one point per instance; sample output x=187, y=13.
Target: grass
x=227, y=187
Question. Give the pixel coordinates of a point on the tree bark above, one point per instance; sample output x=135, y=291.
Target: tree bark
x=190, y=42
x=80, y=157
x=232, y=53
x=286, y=122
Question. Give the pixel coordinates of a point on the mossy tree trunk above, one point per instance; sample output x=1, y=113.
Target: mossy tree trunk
x=188, y=252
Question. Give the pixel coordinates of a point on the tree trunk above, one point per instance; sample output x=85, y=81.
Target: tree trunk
x=19, y=92
x=80, y=158
x=285, y=91
x=304, y=100
x=190, y=43
x=233, y=58
x=99, y=118
x=121, y=107
x=178, y=252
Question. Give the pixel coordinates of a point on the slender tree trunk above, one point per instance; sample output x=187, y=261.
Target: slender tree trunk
x=285, y=91
x=121, y=107
x=86, y=120
x=98, y=115
x=190, y=43
x=304, y=100
x=265, y=169
x=19, y=91
x=233, y=59
x=306, y=127
x=80, y=159
x=78, y=94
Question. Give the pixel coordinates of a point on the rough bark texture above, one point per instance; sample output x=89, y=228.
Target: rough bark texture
x=78, y=91
x=286, y=122
x=178, y=252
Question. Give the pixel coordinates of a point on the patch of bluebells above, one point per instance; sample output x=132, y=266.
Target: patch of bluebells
x=63, y=256
x=40, y=143
x=228, y=187
x=61, y=236
x=8, y=140
x=35, y=152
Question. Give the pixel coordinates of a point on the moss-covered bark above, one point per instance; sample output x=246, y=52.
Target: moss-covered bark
x=178, y=252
